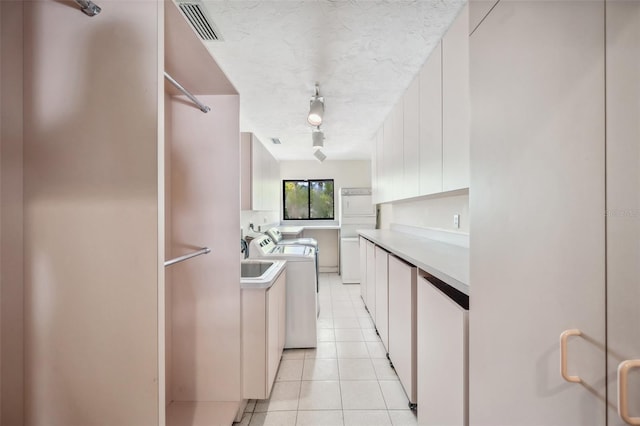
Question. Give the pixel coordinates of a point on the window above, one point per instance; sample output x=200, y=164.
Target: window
x=308, y=199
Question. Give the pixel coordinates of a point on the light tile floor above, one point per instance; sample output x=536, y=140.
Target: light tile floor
x=345, y=381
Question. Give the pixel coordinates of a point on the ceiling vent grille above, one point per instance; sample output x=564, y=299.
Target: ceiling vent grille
x=275, y=141
x=199, y=20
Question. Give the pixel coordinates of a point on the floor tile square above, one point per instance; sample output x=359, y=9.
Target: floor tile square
x=274, y=418
x=370, y=335
x=383, y=369
x=284, y=396
x=352, y=350
x=320, y=369
x=325, y=323
x=320, y=395
x=349, y=335
x=344, y=313
x=246, y=418
x=394, y=395
x=320, y=418
x=293, y=353
x=366, y=418
x=403, y=418
x=361, y=395
x=376, y=350
x=345, y=323
x=326, y=335
x=366, y=322
x=356, y=369
x=323, y=350
x=290, y=369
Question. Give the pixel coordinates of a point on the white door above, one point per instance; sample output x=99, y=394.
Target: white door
x=537, y=171
x=623, y=205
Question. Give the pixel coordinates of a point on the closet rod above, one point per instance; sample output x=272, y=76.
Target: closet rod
x=88, y=7
x=203, y=250
x=195, y=100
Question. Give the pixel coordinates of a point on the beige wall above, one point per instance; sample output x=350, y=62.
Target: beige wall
x=11, y=233
x=432, y=212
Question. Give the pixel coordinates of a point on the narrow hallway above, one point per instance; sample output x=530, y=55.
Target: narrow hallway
x=345, y=381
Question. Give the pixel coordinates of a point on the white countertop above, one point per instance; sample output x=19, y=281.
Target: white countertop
x=447, y=262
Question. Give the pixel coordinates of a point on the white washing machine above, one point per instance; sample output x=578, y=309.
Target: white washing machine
x=276, y=236
x=302, y=299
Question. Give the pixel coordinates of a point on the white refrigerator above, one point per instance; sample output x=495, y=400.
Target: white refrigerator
x=357, y=211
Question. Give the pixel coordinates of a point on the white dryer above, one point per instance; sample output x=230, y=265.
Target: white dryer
x=302, y=300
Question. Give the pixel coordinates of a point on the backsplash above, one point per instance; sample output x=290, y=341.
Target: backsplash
x=261, y=219
x=434, y=212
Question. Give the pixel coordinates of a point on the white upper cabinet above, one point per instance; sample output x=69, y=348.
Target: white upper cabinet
x=397, y=156
x=260, y=174
x=455, y=104
x=430, y=118
x=411, y=128
x=425, y=144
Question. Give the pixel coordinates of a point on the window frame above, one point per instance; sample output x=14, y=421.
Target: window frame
x=309, y=181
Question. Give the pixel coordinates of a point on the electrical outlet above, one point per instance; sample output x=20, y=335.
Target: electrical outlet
x=456, y=220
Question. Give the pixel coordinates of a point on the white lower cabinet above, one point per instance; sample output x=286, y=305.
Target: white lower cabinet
x=381, y=271
x=371, y=279
x=363, y=269
x=263, y=337
x=442, y=358
x=402, y=323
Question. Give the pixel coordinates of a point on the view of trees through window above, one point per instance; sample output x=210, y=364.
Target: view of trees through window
x=308, y=199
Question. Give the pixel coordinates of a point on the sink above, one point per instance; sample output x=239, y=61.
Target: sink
x=262, y=274
x=254, y=268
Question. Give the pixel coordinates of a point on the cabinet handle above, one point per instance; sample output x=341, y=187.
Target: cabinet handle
x=563, y=355
x=623, y=408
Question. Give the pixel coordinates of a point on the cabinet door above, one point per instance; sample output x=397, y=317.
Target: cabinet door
x=431, y=123
x=623, y=200
x=245, y=172
x=397, y=156
x=363, y=269
x=538, y=154
x=388, y=145
x=371, y=279
x=402, y=323
x=411, y=153
x=282, y=312
x=442, y=358
x=382, y=294
x=258, y=176
x=376, y=158
x=455, y=104
x=273, y=338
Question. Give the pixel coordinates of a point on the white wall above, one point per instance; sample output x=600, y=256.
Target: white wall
x=431, y=212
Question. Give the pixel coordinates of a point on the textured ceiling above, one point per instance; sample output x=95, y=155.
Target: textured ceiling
x=363, y=54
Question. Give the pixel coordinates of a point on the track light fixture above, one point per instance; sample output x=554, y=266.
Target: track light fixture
x=318, y=138
x=316, y=109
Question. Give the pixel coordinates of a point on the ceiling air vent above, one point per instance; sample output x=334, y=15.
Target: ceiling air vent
x=275, y=141
x=197, y=17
